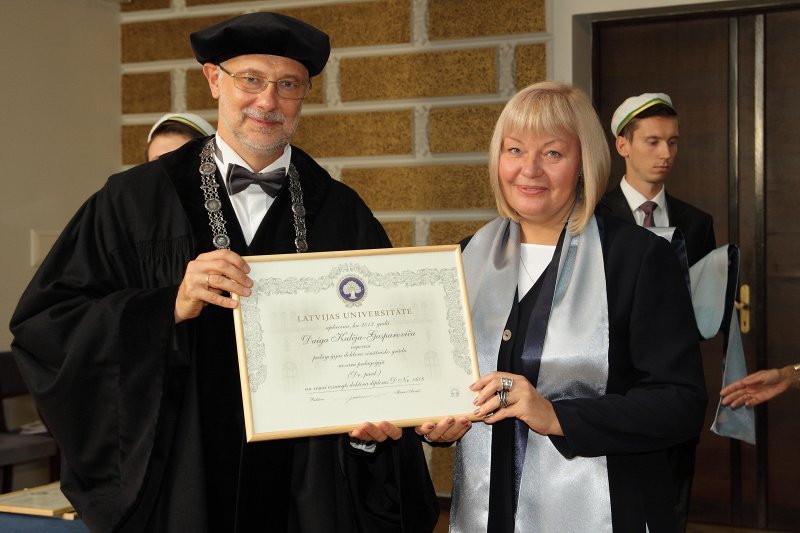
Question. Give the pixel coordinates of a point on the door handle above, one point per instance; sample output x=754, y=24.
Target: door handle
x=743, y=306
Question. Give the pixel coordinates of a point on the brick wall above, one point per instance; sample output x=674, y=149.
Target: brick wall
x=403, y=112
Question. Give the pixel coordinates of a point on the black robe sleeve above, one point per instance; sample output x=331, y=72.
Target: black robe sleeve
x=656, y=395
x=93, y=333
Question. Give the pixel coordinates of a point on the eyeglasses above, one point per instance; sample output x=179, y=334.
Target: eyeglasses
x=255, y=84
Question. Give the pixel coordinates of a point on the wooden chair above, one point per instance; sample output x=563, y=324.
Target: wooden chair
x=16, y=448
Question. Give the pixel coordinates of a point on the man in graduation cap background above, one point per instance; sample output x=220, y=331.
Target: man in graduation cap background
x=126, y=339
x=645, y=129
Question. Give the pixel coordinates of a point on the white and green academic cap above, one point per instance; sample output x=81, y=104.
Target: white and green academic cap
x=189, y=119
x=631, y=107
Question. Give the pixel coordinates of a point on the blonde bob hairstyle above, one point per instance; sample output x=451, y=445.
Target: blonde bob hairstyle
x=555, y=108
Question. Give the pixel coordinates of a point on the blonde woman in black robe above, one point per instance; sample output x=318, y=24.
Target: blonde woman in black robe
x=586, y=342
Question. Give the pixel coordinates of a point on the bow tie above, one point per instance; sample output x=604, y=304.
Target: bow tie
x=239, y=178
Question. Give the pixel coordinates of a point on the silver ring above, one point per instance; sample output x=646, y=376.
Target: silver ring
x=507, y=383
x=427, y=438
x=503, y=394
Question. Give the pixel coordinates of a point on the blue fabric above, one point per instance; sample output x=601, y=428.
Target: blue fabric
x=729, y=422
x=20, y=523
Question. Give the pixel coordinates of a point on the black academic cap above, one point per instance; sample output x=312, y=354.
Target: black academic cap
x=263, y=33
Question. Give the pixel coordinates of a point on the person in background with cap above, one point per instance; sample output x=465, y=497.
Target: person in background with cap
x=126, y=339
x=646, y=134
x=172, y=131
x=645, y=130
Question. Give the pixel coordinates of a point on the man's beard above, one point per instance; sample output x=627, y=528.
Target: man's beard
x=270, y=146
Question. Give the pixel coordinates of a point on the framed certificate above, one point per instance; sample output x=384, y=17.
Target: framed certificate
x=330, y=340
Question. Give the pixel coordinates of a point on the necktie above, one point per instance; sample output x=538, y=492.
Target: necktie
x=647, y=208
x=239, y=178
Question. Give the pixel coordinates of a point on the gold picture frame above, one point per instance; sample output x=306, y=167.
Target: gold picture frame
x=330, y=340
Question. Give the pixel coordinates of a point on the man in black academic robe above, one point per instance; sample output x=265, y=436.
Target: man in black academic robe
x=646, y=134
x=146, y=404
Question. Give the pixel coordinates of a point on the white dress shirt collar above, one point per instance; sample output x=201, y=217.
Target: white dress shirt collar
x=635, y=199
x=225, y=155
x=251, y=204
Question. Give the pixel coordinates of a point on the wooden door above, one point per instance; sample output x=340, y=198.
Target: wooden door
x=782, y=269
x=733, y=80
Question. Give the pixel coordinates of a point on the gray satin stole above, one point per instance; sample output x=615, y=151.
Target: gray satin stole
x=556, y=494
x=713, y=281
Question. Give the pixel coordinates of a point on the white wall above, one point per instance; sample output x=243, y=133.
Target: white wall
x=60, y=134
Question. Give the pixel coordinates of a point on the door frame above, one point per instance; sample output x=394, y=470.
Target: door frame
x=584, y=63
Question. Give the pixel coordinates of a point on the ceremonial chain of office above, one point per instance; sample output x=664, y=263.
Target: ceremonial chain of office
x=213, y=205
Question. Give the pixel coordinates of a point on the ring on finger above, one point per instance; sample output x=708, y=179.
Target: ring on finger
x=427, y=438
x=208, y=280
x=506, y=383
x=503, y=394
